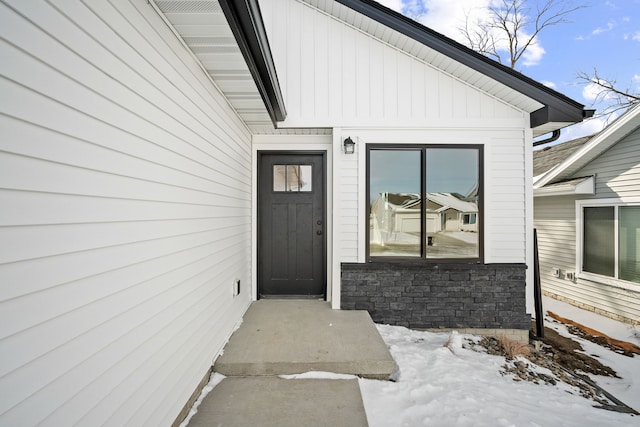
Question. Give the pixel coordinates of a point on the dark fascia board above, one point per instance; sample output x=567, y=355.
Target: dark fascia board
x=558, y=107
x=550, y=113
x=245, y=20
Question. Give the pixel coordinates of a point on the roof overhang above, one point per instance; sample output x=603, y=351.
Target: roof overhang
x=246, y=24
x=229, y=40
x=246, y=77
x=584, y=185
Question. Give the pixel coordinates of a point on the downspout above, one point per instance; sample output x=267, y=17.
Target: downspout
x=554, y=136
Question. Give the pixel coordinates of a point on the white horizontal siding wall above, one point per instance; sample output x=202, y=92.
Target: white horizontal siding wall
x=617, y=170
x=125, y=195
x=555, y=222
x=334, y=75
x=617, y=174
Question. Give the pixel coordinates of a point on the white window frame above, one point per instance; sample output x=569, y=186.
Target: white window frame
x=616, y=203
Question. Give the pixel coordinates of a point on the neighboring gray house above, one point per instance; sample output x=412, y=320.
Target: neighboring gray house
x=163, y=163
x=587, y=216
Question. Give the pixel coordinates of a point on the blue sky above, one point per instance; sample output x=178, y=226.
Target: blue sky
x=604, y=35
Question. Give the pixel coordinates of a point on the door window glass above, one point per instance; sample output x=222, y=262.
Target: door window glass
x=292, y=178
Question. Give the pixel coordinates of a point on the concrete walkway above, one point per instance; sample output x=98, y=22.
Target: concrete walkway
x=276, y=402
x=280, y=337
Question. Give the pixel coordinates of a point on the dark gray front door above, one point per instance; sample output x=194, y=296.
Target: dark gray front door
x=291, y=225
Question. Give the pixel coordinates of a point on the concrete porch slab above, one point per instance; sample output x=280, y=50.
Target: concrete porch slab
x=294, y=336
x=275, y=402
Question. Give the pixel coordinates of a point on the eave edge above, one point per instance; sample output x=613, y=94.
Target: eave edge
x=247, y=26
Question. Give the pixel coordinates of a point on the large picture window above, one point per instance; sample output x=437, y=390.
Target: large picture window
x=611, y=241
x=425, y=201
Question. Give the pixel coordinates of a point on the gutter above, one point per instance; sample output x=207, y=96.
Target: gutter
x=556, y=133
x=554, y=137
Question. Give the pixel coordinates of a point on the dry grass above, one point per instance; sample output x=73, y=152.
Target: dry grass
x=513, y=348
x=451, y=343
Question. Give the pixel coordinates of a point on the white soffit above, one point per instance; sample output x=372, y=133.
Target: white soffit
x=584, y=185
x=202, y=26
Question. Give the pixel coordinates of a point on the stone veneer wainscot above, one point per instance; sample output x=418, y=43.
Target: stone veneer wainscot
x=433, y=296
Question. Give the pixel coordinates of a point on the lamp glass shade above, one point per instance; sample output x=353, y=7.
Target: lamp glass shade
x=349, y=146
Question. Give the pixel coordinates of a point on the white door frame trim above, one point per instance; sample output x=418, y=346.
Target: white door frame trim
x=297, y=143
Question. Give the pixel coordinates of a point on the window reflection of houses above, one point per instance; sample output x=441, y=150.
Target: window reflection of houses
x=453, y=213
x=395, y=218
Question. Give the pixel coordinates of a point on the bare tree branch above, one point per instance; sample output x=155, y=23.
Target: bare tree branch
x=479, y=38
x=608, y=91
x=514, y=27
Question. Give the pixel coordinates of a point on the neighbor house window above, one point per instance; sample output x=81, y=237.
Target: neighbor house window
x=424, y=201
x=611, y=241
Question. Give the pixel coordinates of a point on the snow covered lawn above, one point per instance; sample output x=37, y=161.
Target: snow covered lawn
x=456, y=386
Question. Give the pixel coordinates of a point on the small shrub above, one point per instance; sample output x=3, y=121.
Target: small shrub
x=513, y=348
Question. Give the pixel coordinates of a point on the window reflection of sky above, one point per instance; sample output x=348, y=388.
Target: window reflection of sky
x=452, y=170
x=394, y=172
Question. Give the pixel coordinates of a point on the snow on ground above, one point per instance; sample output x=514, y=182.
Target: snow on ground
x=626, y=389
x=214, y=380
x=442, y=385
x=459, y=387
x=465, y=236
x=318, y=375
x=606, y=325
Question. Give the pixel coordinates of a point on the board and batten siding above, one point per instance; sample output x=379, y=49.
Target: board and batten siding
x=335, y=75
x=125, y=216
x=506, y=189
x=348, y=198
x=617, y=175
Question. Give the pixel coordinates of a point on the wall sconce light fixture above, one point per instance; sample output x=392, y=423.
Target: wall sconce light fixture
x=349, y=146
